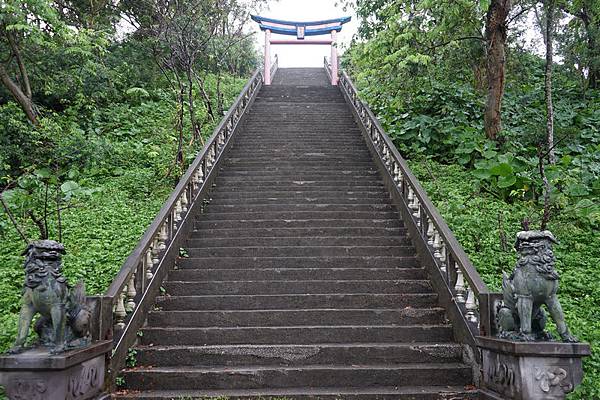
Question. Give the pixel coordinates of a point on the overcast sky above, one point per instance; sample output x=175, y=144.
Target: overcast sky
x=304, y=10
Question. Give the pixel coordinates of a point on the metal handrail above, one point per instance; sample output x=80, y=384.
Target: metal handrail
x=137, y=284
x=461, y=278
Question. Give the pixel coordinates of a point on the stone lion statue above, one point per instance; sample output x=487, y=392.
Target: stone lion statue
x=64, y=316
x=533, y=283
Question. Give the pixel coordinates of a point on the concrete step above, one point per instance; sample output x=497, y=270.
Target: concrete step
x=254, y=208
x=300, y=251
x=298, y=223
x=255, y=377
x=234, y=183
x=298, y=262
x=297, y=301
x=195, y=288
x=296, y=335
x=299, y=186
x=298, y=232
x=288, y=355
x=294, y=241
x=308, y=198
x=316, y=195
x=427, y=392
x=324, y=317
x=295, y=274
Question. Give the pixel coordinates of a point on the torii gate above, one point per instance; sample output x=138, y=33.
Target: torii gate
x=300, y=30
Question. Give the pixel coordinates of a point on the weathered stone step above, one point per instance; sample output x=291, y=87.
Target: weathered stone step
x=308, y=198
x=296, y=335
x=254, y=377
x=295, y=274
x=341, y=193
x=298, y=215
x=298, y=186
x=286, y=139
x=282, y=241
x=298, y=262
x=300, y=164
x=296, y=232
x=268, y=175
x=285, y=355
x=308, y=157
x=428, y=392
x=297, y=223
x=312, y=206
x=195, y=288
x=297, y=301
x=300, y=251
x=294, y=317
x=339, y=180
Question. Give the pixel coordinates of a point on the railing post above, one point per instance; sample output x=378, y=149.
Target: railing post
x=334, y=59
x=267, y=57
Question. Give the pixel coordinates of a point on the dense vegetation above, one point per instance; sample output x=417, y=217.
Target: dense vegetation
x=102, y=107
x=426, y=70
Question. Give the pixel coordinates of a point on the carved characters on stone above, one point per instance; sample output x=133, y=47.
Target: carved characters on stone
x=551, y=378
x=501, y=374
x=83, y=383
x=26, y=389
x=64, y=316
x=533, y=283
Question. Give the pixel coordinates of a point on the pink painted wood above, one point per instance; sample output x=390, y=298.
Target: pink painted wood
x=334, y=59
x=267, y=73
x=302, y=41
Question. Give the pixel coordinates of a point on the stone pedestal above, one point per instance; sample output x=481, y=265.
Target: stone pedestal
x=37, y=375
x=530, y=370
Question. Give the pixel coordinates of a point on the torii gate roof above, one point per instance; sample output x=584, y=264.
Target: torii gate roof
x=299, y=28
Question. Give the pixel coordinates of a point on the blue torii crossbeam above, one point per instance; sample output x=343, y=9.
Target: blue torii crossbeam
x=300, y=29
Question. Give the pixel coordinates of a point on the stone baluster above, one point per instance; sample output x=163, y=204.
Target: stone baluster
x=120, y=313
x=155, y=248
x=443, y=256
x=221, y=139
x=177, y=212
x=471, y=306
x=437, y=244
x=459, y=287
x=131, y=293
x=148, y=265
x=163, y=236
x=415, y=206
x=184, y=201
x=430, y=232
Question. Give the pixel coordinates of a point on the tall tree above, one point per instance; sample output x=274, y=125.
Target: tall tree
x=496, y=29
x=549, y=8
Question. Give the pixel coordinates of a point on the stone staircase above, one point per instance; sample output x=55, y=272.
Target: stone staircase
x=300, y=280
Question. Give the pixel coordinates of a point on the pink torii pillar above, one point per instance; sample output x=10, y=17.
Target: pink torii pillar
x=267, y=73
x=331, y=42
x=300, y=30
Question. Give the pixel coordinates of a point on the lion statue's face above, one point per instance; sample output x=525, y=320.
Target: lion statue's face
x=44, y=251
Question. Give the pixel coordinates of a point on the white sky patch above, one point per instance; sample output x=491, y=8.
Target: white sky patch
x=304, y=10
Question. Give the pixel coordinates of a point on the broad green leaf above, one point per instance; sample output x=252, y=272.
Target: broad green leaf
x=502, y=169
x=506, y=181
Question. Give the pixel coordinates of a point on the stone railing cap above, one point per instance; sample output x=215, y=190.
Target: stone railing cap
x=39, y=359
x=542, y=349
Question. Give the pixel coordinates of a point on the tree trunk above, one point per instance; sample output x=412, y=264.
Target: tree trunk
x=25, y=102
x=495, y=36
x=549, y=5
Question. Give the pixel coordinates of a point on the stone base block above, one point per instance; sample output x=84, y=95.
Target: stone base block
x=37, y=375
x=530, y=370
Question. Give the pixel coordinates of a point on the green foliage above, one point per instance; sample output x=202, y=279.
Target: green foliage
x=486, y=227
x=426, y=82
x=116, y=163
